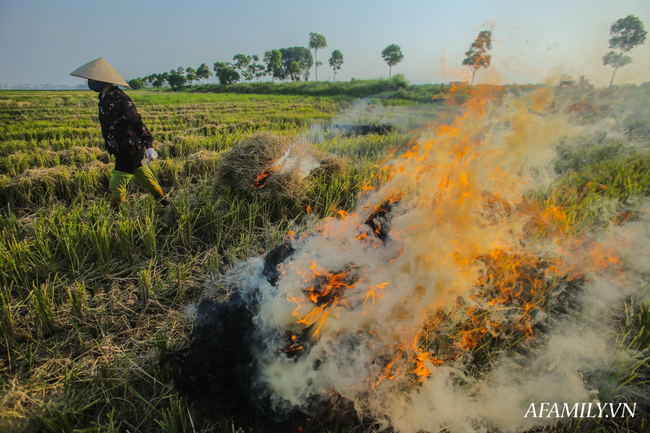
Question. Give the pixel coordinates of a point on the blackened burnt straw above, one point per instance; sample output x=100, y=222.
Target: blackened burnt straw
x=220, y=370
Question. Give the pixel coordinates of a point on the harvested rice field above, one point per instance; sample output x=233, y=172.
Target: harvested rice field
x=500, y=217
x=92, y=300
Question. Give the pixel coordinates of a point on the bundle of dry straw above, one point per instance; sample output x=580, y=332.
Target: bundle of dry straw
x=274, y=166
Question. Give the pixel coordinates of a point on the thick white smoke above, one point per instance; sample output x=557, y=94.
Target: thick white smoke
x=455, y=197
x=302, y=164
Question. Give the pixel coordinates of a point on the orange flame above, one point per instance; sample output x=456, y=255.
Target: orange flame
x=325, y=294
x=260, y=181
x=505, y=287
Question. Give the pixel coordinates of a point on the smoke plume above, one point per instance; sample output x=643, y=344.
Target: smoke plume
x=383, y=306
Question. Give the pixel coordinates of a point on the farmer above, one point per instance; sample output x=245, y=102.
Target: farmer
x=125, y=135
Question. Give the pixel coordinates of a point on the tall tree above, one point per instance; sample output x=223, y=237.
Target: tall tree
x=136, y=83
x=220, y=65
x=626, y=34
x=225, y=73
x=302, y=56
x=477, y=56
x=227, y=76
x=273, y=60
x=190, y=74
x=203, y=72
x=294, y=71
x=241, y=62
x=254, y=70
x=316, y=42
x=392, y=55
x=160, y=80
x=336, y=61
x=176, y=80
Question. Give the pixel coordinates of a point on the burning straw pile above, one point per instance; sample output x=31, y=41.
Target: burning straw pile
x=273, y=166
x=406, y=312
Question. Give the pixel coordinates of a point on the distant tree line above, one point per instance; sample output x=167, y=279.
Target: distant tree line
x=292, y=63
x=295, y=63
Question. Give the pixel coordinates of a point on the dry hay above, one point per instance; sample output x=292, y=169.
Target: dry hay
x=274, y=166
x=35, y=184
x=102, y=170
x=61, y=182
x=60, y=172
x=181, y=139
x=201, y=162
x=209, y=129
x=80, y=155
x=164, y=147
x=87, y=153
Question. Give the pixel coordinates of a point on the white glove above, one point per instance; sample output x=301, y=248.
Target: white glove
x=150, y=153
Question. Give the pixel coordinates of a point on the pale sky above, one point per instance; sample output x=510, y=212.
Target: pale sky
x=42, y=41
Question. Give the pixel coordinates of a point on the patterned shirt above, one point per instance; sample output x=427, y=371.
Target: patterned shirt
x=122, y=127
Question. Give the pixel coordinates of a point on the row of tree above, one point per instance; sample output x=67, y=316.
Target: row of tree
x=292, y=63
x=295, y=63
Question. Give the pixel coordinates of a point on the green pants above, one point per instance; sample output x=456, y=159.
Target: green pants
x=144, y=176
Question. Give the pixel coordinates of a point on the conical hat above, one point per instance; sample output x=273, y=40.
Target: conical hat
x=99, y=70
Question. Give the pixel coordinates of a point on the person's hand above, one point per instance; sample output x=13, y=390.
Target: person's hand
x=150, y=153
